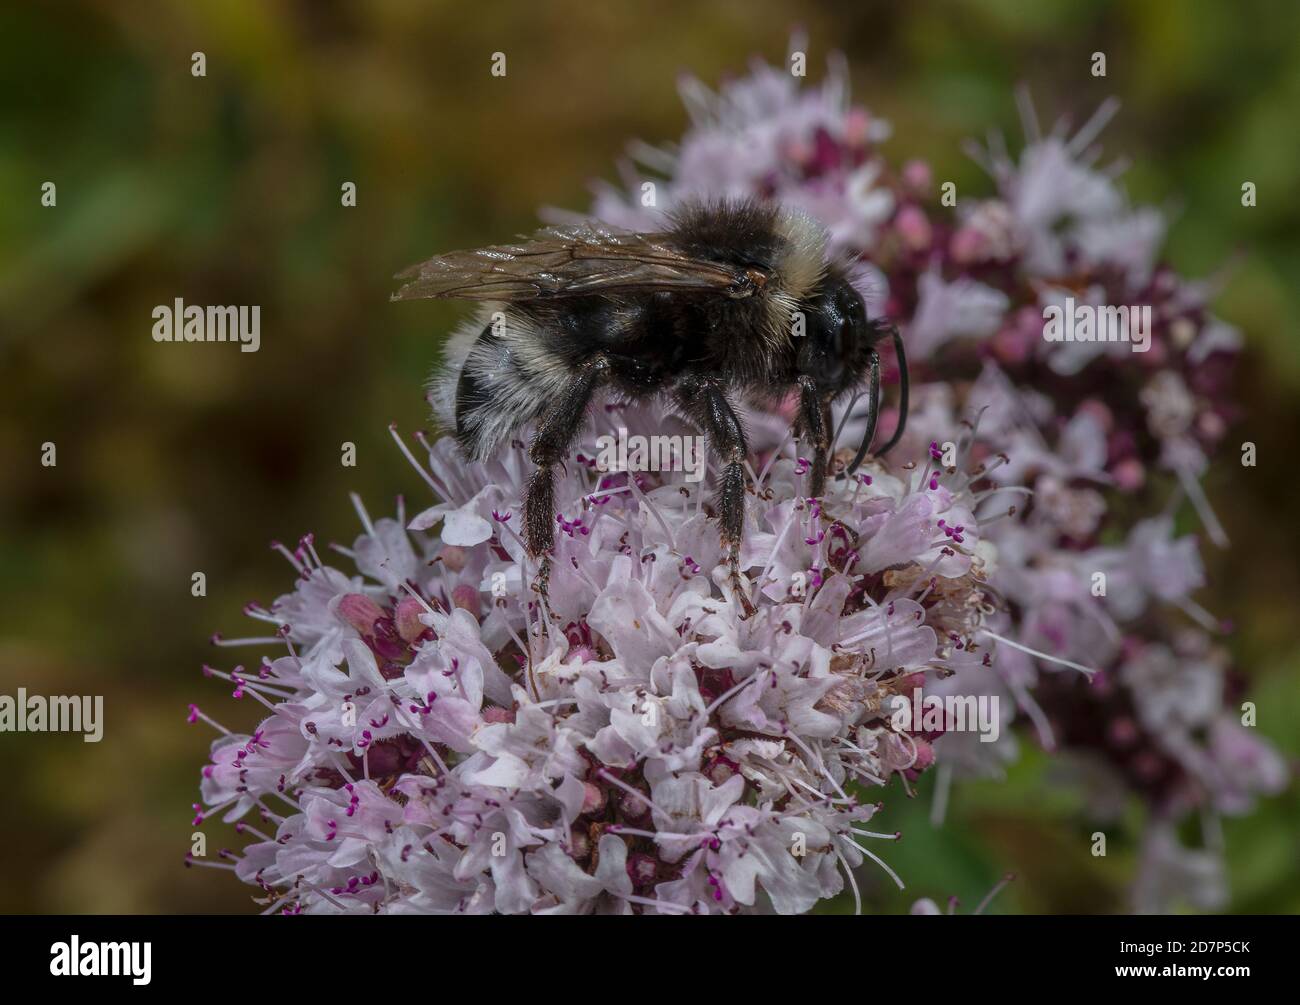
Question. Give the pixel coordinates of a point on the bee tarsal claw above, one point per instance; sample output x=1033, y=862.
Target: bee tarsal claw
x=739, y=584
x=542, y=581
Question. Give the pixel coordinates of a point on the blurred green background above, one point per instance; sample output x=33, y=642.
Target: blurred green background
x=226, y=190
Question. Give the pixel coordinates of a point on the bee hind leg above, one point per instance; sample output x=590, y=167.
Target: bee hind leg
x=556, y=430
x=704, y=401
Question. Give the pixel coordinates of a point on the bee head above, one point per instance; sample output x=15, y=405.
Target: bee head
x=839, y=336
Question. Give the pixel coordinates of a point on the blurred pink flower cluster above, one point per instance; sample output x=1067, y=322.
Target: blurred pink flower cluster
x=1086, y=447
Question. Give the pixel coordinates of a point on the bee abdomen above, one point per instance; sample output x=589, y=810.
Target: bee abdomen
x=472, y=393
x=503, y=381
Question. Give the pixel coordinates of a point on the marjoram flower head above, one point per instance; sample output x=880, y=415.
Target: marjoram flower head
x=441, y=738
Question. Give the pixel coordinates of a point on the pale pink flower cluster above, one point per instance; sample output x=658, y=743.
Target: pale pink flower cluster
x=441, y=738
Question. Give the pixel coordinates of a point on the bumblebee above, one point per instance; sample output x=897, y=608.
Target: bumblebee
x=732, y=299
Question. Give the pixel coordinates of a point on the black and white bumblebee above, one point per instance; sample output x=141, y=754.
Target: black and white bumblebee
x=707, y=310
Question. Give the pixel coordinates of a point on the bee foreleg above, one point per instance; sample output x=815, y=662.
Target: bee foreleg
x=705, y=403
x=557, y=428
x=815, y=422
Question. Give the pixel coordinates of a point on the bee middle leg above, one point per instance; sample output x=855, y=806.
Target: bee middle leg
x=557, y=428
x=704, y=401
x=815, y=422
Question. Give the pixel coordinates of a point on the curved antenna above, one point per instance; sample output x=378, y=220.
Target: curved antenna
x=873, y=413
x=902, y=393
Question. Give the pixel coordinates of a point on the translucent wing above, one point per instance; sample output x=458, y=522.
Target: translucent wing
x=574, y=261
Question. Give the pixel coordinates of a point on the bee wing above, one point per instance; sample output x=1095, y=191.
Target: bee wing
x=573, y=261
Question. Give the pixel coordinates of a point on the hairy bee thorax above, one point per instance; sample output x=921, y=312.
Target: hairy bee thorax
x=786, y=246
x=800, y=266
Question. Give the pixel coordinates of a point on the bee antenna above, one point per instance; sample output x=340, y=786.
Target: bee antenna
x=873, y=405
x=862, y=447
x=902, y=393
x=873, y=414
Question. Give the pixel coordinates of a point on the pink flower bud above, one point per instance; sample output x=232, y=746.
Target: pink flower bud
x=968, y=246
x=913, y=228
x=917, y=176
x=360, y=612
x=407, y=615
x=593, y=798
x=1129, y=474
x=466, y=598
